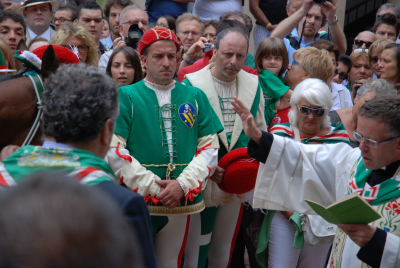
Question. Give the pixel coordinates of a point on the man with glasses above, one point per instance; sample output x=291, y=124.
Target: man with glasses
x=90, y=16
x=112, y=11
x=132, y=14
x=189, y=29
x=38, y=16
x=334, y=171
x=364, y=40
x=64, y=15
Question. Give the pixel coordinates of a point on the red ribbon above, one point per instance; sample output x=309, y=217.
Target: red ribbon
x=136, y=190
x=126, y=157
x=209, y=172
x=202, y=149
x=192, y=192
x=150, y=199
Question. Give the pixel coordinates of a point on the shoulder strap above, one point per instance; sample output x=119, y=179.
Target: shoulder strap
x=341, y=95
x=296, y=133
x=293, y=42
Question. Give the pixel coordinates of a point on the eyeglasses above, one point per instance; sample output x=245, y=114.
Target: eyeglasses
x=305, y=111
x=194, y=34
x=81, y=49
x=145, y=23
x=342, y=76
x=359, y=43
x=62, y=20
x=375, y=59
x=295, y=62
x=371, y=143
x=162, y=25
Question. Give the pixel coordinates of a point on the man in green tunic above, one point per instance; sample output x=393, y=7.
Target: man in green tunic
x=166, y=144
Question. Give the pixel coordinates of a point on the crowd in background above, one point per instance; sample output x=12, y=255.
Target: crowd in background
x=309, y=82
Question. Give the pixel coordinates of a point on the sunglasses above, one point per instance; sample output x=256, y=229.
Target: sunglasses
x=359, y=43
x=342, y=76
x=305, y=111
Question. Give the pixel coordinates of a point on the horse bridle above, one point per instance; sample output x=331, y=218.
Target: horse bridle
x=38, y=86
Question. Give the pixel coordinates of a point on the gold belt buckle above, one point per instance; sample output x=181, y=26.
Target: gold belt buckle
x=170, y=168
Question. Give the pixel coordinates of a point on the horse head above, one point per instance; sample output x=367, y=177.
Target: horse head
x=20, y=99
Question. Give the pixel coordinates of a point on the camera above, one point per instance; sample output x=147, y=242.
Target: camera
x=319, y=2
x=134, y=36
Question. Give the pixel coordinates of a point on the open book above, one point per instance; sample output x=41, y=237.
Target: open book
x=350, y=209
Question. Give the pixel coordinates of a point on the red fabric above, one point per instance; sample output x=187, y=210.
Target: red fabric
x=184, y=242
x=192, y=192
x=125, y=157
x=202, y=149
x=136, y=190
x=155, y=34
x=85, y=172
x=149, y=199
x=280, y=117
x=209, y=172
x=64, y=54
x=201, y=63
x=3, y=181
x=239, y=220
x=240, y=172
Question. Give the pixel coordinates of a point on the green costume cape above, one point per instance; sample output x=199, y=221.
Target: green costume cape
x=83, y=165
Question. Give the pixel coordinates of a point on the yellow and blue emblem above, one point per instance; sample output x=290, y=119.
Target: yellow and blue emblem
x=187, y=113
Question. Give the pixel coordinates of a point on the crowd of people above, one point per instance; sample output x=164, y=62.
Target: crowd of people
x=150, y=109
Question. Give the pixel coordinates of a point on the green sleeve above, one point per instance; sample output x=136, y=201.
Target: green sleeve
x=186, y=82
x=272, y=86
x=124, y=119
x=208, y=119
x=250, y=61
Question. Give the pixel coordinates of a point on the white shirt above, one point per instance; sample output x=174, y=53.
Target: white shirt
x=46, y=35
x=336, y=88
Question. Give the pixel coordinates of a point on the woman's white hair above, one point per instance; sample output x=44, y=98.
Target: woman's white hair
x=317, y=93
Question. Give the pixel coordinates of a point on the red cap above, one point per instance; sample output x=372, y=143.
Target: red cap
x=240, y=172
x=155, y=34
x=64, y=54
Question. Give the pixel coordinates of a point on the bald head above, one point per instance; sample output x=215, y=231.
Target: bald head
x=364, y=40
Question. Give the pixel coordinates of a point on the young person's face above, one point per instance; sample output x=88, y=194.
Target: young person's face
x=122, y=70
x=92, y=20
x=272, y=63
x=12, y=32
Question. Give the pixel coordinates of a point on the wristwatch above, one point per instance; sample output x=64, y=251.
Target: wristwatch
x=334, y=22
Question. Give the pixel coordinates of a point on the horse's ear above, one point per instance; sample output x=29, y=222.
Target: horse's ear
x=50, y=62
x=22, y=45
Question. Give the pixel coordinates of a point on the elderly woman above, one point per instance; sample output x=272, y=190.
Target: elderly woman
x=360, y=71
x=348, y=116
x=76, y=38
x=374, y=55
x=309, y=123
x=390, y=64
